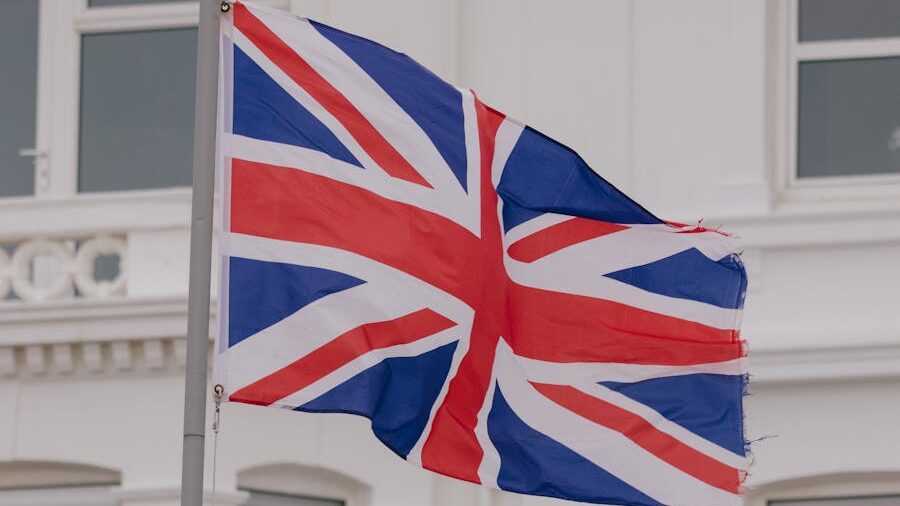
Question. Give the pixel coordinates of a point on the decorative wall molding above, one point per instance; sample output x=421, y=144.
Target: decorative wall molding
x=42, y=269
x=800, y=226
x=24, y=474
x=85, y=359
x=147, y=336
x=803, y=365
x=97, y=213
x=91, y=337
x=840, y=483
x=124, y=334
x=92, y=320
x=752, y=259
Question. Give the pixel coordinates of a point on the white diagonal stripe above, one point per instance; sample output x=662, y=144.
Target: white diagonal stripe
x=532, y=226
x=462, y=347
x=310, y=104
x=367, y=96
x=324, y=319
x=367, y=360
x=633, y=246
x=603, y=446
x=507, y=135
x=470, y=205
x=585, y=376
x=579, y=279
x=592, y=372
x=489, y=467
x=665, y=425
x=453, y=203
x=316, y=162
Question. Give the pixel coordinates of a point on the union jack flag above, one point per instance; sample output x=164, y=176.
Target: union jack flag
x=394, y=248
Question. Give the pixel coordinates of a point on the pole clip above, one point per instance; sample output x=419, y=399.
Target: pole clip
x=218, y=393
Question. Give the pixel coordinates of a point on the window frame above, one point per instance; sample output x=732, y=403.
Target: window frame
x=52, y=482
x=301, y=480
x=251, y=491
x=74, y=495
x=790, y=53
x=61, y=23
x=61, y=26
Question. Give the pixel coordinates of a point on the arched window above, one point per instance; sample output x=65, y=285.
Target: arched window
x=56, y=484
x=298, y=485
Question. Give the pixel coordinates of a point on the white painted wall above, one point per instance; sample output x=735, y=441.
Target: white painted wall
x=672, y=101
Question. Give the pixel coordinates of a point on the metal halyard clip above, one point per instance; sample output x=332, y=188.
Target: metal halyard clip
x=218, y=392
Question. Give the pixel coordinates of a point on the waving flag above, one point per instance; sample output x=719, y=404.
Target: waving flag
x=396, y=249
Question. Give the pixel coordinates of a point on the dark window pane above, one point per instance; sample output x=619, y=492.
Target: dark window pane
x=849, y=117
x=18, y=81
x=848, y=19
x=107, y=3
x=137, y=110
x=268, y=499
x=856, y=501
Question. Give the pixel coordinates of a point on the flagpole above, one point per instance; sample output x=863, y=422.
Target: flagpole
x=195, y=390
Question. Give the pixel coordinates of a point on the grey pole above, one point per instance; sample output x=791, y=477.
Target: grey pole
x=201, y=254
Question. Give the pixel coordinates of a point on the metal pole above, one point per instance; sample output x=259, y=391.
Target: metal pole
x=201, y=254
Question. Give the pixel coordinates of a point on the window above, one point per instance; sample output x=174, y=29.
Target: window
x=849, y=117
x=18, y=80
x=848, y=501
x=58, y=496
x=137, y=109
x=35, y=483
x=258, y=498
x=115, y=93
x=843, y=93
x=298, y=485
x=100, y=99
x=136, y=106
x=841, y=20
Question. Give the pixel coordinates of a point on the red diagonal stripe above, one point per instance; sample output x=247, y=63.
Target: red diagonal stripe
x=339, y=352
x=559, y=236
x=327, y=95
x=294, y=205
x=561, y=327
x=644, y=434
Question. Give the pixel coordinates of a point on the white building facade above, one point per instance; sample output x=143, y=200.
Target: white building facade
x=778, y=119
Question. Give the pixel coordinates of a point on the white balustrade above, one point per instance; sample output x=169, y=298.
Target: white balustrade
x=5, y=273
x=85, y=261
x=47, y=269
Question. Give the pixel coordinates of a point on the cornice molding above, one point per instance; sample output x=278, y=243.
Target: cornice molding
x=87, y=359
x=92, y=337
x=119, y=336
x=92, y=320
x=805, y=365
x=832, y=224
x=113, y=212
